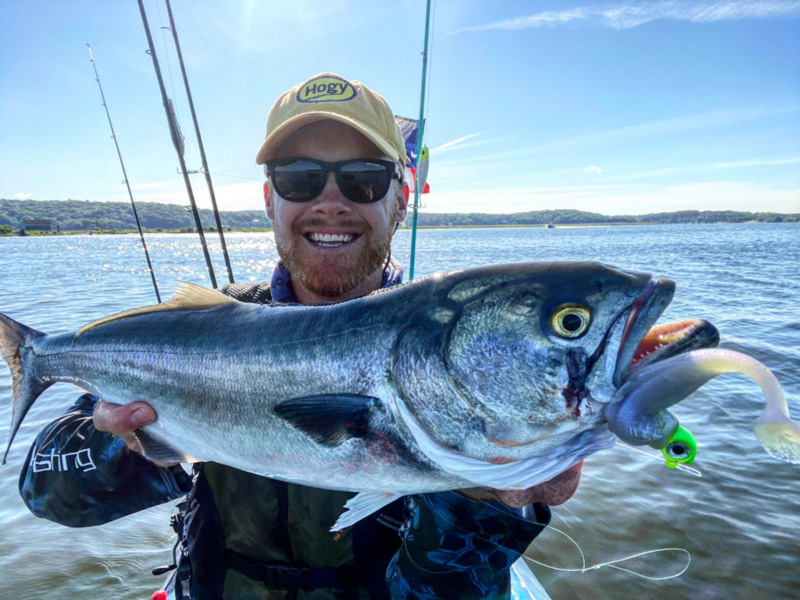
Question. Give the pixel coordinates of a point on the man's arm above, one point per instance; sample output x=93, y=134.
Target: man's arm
x=78, y=475
x=460, y=548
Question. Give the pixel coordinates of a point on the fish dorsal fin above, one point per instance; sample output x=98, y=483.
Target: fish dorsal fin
x=187, y=296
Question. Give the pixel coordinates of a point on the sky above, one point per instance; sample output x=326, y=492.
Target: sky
x=611, y=107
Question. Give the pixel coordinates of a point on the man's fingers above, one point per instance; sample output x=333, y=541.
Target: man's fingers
x=512, y=498
x=131, y=442
x=556, y=491
x=122, y=419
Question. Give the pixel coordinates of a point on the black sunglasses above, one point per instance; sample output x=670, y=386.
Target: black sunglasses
x=361, y=180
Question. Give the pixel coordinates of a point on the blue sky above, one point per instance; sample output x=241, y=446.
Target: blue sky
x=613, y=107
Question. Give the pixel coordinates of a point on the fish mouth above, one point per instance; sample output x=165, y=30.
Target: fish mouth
x=644, y=343
x=670, y=339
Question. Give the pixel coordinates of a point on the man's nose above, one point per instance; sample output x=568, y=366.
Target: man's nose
x=331, y=200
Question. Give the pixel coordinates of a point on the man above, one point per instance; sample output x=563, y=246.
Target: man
x=335, y=161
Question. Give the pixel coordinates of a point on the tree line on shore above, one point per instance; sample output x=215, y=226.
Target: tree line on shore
x=85, y=215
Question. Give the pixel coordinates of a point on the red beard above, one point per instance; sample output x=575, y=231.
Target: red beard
x=335, y=273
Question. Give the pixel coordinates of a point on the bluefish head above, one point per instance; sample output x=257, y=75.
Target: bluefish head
x=526, y=355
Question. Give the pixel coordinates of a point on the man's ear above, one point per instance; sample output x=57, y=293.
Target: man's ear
x=268, y=201
x=401, y=204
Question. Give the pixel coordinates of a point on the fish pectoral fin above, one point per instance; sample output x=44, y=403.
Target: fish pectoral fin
x=363, y=505
x=187, y=296
x=331, y=419
x=158, y=451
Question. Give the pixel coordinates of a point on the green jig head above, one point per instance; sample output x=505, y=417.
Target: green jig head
x=680, y=449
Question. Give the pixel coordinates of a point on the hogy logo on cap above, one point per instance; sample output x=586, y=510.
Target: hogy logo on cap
x=327, y=96
x=326, y=89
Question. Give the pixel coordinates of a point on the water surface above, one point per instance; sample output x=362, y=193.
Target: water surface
x=740, y=521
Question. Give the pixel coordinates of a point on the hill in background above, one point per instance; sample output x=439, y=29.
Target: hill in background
x=85, y=215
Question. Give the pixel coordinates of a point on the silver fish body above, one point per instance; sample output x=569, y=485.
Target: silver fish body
x=324, y=394
x=495, y=376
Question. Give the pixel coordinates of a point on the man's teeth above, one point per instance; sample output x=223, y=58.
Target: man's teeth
x=330, y=239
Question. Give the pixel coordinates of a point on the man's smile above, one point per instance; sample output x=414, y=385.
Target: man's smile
x=329, y=240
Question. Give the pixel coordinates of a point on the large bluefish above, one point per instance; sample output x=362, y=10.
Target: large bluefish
x=501, y=376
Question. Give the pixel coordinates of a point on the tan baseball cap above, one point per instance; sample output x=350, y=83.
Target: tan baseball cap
x=330, y=96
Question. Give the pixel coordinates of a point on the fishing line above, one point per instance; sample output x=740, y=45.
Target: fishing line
x=166, y=52
x=613, y=564
x=160, y=124
x=173, y=103
x=430, y=65
x=201, y=170
x=421, y=204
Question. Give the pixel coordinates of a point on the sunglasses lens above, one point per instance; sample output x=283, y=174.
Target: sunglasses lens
x=364, y=181
x=298, y=181
x=302, y=179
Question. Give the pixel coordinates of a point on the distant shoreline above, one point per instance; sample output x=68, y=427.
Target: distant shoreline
x=183, y=230
x=116, y=217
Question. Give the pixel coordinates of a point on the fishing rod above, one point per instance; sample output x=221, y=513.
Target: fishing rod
x=125, y=175
x=420, y=133
x=175, y=133
x=200, y=144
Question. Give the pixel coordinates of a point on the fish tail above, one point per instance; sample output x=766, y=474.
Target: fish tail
x=15, y=341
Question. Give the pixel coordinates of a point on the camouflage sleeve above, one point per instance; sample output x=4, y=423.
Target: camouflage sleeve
x=455, y=547
x=78, y=476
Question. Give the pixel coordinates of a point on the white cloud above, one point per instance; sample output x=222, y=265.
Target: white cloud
x=726, y=166
x=247, y=195
x=628, y=15
x=456, y=144
x=21, y=195
x=759, y=162
x=593, y=169
x=621, y=199
x=653, y=129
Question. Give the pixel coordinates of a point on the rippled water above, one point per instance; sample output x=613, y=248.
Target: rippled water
x=740, y=521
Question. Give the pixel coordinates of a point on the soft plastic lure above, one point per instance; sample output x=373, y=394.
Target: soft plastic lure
x=638, y=414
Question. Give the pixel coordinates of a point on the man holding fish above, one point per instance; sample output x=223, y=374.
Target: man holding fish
x=335, y=161
x=495, y=382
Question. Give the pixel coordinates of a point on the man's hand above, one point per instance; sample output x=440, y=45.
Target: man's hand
x=554, y=492
x=123, y=420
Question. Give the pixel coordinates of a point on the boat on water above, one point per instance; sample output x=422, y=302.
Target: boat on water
x=550, y=226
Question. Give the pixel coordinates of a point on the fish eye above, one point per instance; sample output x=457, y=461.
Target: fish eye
x=570, y=320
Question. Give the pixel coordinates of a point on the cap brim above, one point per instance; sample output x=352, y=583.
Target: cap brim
x=270, y=146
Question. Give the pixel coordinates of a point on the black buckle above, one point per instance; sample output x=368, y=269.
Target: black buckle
x=284, y=577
